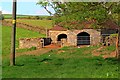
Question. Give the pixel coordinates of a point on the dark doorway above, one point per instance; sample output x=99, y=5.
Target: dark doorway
x=83, y=38
x=61, y=36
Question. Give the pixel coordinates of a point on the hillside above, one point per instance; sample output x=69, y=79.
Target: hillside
x=21, y=33
x=9, y=16
x=39, y=23
x=34, y=25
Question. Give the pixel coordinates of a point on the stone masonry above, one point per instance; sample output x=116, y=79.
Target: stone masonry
x=95, y=36
x=31, y=42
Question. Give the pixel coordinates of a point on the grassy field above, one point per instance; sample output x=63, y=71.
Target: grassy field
x=9, y=16
x=68, y=62
x=39, y=23
x=36, y=23
x=21, y=33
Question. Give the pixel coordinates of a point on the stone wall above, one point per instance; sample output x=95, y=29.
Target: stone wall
x=70, y=36
x=31, y=42
x=95, y=36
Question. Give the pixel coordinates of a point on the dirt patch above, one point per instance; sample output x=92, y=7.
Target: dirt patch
x=52, y=46
x=105, y=54
x=39, y=51
x=112, y=54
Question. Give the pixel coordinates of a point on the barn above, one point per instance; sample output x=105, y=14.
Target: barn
x=85, y=36
x=59, y=35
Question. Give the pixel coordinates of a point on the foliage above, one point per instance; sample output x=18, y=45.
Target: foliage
x=1, y=17
x=67, y=12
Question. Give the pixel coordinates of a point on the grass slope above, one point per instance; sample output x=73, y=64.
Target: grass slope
x=9, y=16
x=67, y=62
x=20, y=33
x=36, y=23
x=41, y=23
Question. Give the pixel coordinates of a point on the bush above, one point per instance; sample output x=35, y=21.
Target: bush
x=49, y=18
x=37, y=17
x=1, y=17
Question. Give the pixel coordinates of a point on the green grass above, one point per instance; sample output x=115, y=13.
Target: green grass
x=36, y=23
x=26, y=49
x=72, y=63
x=20, y=33
x=108, y=49
x=39, y=23
x=67, y=62
x=9, y=16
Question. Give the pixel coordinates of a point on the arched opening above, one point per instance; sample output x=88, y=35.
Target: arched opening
x=83, y=38
x=61, y=36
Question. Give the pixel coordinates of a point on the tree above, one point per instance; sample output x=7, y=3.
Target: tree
x=37, y=17
x=67, y=12
x=1, y=17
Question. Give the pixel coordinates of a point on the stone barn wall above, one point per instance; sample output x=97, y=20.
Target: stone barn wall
x=95, y=36
x=70, y=37
x=31, y=42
